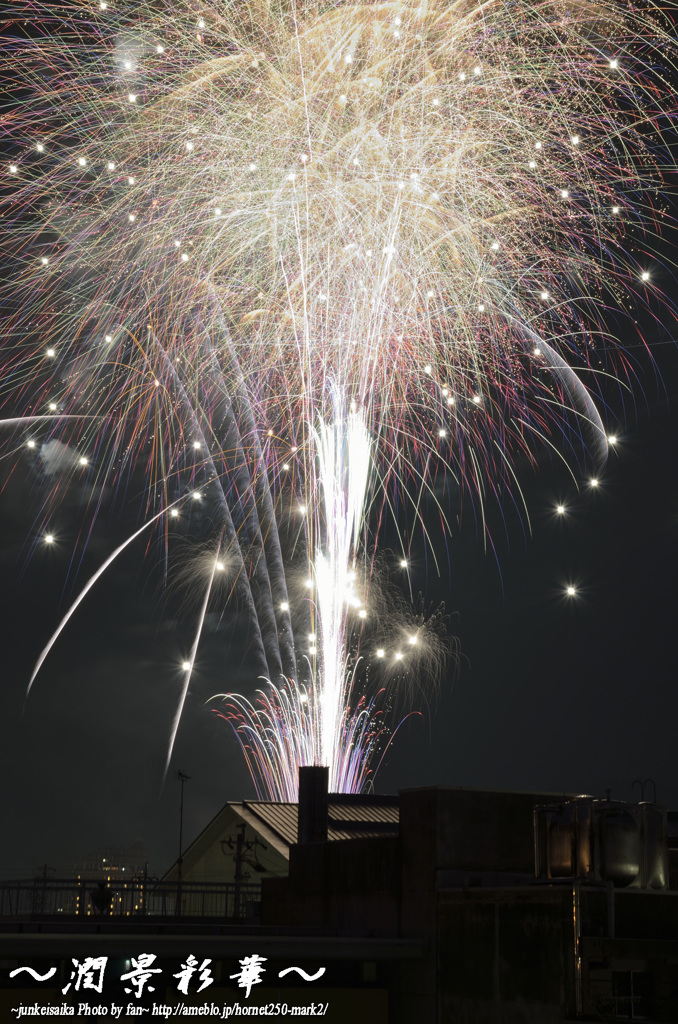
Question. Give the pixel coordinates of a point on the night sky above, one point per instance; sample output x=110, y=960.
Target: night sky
x=548, y=691
x=551, y=692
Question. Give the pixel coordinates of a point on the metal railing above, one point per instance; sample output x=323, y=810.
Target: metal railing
x=136, y=897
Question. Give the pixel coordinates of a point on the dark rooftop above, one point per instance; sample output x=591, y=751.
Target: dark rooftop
x=350, y=816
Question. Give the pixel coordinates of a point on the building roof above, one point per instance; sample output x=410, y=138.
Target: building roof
x=350, y=816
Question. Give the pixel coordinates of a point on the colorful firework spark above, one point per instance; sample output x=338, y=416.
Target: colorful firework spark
x=296, y=260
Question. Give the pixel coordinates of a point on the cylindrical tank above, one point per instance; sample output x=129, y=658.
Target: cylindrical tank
x=602, y=841
x=620, y=854
x=656, y=851
x=561, y=842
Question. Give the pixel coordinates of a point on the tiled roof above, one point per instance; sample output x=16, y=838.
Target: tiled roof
x=349, y=816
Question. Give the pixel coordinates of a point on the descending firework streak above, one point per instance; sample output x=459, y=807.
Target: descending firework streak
x=296, y=260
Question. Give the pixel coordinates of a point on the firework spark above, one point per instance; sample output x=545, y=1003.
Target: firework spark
x=294, y=260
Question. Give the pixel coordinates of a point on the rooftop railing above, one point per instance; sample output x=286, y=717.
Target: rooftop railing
x=134, y=897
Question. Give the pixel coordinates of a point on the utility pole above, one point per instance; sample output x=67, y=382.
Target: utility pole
x=182, y=777
x=240, y=875
x=243, y=849
x=39, y=902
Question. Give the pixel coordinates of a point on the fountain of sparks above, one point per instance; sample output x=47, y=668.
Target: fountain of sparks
x=323, y=722
x=343, y=460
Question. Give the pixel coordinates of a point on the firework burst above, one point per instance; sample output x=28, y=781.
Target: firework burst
x=296, y=260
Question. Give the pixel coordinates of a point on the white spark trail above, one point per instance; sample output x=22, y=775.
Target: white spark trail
x=86, y=589
x=343, y=466
x=191, y=661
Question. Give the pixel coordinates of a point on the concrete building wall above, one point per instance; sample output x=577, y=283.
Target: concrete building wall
x=346, y=884
x=470, y=830
x=456, y=837
x=505, y=956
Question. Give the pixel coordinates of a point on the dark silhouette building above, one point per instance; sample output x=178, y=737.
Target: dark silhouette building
x=475, y=907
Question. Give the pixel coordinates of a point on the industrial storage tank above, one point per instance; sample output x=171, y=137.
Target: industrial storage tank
x=602, y=841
